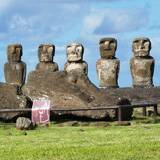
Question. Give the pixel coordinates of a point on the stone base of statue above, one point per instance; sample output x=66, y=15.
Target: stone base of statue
x=72, y=90
x=10, y=100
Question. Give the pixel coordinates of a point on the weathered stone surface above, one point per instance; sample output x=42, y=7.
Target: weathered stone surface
x=10, y=100
x=141, y=47
x=9, y=127
x=14, y=52
x=142, y=65
x=101, y=124
x=72, y=123
x=142, y=71
x=80, y=65
x=71, y=90
x=49, y=66
x=23, y=123
x=107, y=47
x=44, y=126
x=84, y=124
x=137, y=95
x=15, y=69
x=122, y=123
x=108, y=66
x=46, y=53
x=75, y=61
x=74, y=52
x=108, y=71
x=15, y=73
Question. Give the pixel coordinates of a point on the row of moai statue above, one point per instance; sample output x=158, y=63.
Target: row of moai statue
x=141, y=65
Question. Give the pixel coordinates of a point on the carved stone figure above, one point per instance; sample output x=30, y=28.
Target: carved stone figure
x=74, y=53
x=108, y=65
x=15, y=69
x=46, y=53
x=142, y=65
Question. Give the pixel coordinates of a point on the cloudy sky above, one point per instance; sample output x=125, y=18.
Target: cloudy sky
x=61, y=22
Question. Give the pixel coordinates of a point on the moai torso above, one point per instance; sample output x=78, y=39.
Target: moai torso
x=75, y=58
x=15, y=69
x=108, y=65
x=142, y=65
x=46, y=53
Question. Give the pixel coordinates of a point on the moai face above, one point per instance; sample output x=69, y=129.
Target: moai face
x=74, y=52
x=46, y=52
x=107, y=47
x=14, y=52
x=141, y=47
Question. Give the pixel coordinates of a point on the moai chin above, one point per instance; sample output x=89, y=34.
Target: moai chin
x=108, y=65
x=15, y=69
x=142, y=65
x=75, y=61
x=46, y=53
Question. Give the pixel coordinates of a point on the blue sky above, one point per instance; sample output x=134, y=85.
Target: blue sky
x=61, y=22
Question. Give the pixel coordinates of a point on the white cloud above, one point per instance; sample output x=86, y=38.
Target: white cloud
x=113, y=21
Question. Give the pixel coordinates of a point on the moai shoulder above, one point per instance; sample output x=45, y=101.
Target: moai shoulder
x=46, y=53
x=15, y=69
x=75, y=61
x=108, y=65
x=142, y=64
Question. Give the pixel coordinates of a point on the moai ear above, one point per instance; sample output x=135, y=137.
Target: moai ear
x=14, y=52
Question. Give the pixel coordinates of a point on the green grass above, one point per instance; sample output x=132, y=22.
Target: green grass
x=135, y=142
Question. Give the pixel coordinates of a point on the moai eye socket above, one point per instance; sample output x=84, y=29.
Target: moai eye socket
x=102, y=42
x=113, y=43
x=69, y=49
x=50, y=49
x=146, y=43
x=78, y=49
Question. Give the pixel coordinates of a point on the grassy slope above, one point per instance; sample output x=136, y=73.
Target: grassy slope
x=140, y=141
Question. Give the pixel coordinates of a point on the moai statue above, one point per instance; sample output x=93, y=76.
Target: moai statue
x=46, y=53
x=142, y=65
x=108, y=65
x=74, y=53
x=15, y=69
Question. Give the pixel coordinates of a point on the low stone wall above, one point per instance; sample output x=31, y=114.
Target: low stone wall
x=137, y=95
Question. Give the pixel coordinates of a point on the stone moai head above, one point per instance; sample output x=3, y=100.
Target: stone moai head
x=74, y=52
x=141, y=47
x=14, y=52
x=107, y=47
x=46, y=52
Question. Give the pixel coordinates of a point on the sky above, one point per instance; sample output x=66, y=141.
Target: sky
x=60, y=22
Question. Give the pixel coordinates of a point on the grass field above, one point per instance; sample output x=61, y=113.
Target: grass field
x=135, y=142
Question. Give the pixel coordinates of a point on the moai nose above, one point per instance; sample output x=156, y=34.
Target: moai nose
x=142, y=44
x=44, y=49
x=73, y=50
x=13, y=50
x=107, y=45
